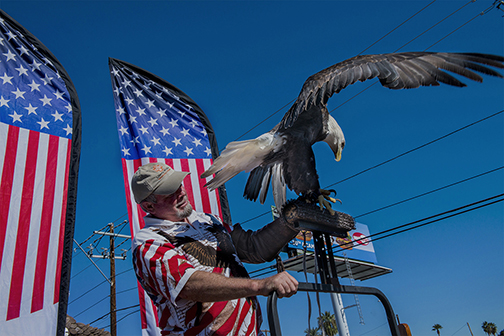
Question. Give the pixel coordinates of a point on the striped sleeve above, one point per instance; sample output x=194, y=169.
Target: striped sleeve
x=161, y=270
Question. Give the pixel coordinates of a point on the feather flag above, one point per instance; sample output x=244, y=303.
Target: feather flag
x=159, y=123
x=39, y=158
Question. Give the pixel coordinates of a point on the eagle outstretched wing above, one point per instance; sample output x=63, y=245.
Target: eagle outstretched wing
x=407, y=70
x=283, y=156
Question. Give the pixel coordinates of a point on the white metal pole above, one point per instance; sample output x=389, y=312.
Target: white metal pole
x=339, y=313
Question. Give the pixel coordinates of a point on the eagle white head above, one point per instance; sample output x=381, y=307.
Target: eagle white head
x=335, y=138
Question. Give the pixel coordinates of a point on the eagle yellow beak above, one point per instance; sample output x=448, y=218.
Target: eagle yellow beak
x=338, y=155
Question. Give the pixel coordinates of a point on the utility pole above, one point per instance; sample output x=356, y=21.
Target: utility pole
x=110, y=254
x=113, y=319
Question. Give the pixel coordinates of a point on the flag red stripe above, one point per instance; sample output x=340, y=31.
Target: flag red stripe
x=187, y=181
x=45, y=225
x=23, y=228
x=62, y=223
x=6, y=184
x=205, y=197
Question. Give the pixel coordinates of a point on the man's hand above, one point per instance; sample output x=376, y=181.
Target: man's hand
x=283, y=283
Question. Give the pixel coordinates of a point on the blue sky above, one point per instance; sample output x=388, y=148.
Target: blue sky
x=243, y=61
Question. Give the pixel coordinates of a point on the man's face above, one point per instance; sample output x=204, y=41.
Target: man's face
x=174, y=207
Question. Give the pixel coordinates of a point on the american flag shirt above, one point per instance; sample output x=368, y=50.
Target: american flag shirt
x=165, y=256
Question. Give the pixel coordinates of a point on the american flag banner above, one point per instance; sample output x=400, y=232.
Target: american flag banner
x=39, y=158
x=159, y=123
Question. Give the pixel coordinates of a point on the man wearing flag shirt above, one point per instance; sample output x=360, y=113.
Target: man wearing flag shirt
x=190, y=264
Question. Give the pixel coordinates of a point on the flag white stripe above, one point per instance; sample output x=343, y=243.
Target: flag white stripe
x=12, y=223
x=34, y=230
x=52, y=263
x=194, y=176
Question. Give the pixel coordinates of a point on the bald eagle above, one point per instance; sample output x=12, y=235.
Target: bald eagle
x=284, y=155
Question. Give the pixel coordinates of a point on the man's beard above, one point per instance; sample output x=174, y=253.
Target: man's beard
x=185, y=212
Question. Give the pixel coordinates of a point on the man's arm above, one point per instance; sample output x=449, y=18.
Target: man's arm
x=213, y=287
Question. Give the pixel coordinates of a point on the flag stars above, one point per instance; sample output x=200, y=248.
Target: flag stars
x=135, y=140
x=140, y=111
x=197, y=142
x=185, y=132
x=68, y=129
x=10, y=56
x=22, y=70
x=22, y=50
x=188, y=151
x=11, y=35
x=120, y=110
x=3, y=101
x=126, y=151
x=150, y=103
x=174, y=123
x=34, y=86
x=130, y=101
x=152, y=121
x=6, y=79
x=208, y=151
x=132, y=119
x=144, y=129
x=31, y=109
x=155, y=141
x=146, y=149
x=165, y=131
x=176, y=142
x=57, y=116
x=126, y=83
x=161, y=112
x=35, y=66
x=138, y=93
x=19, y=94
x=193, y=123
x=43, y=124
x=123, y=130
x=16, y=117
x=69, y=108
x=47, y=80
x=45, y=101
x=59, y=95
x=167, y=151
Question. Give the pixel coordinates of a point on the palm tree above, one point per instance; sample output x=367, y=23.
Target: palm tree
x=436, y=327
x=501, y=332
x=327, y=322
x=489, y=328
x=312, y=332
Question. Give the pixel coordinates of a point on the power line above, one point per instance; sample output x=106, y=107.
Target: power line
x=408, y=227
x=271, y=115
x=106, y=297
x=111, y=278
x=411, y=17
x=418, y=147
x=101, y=317
x=430, y=192
x=447, y=214
x=397, y=157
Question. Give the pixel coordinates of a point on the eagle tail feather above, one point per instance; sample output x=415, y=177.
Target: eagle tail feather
x=237, y=157
x=278, y=185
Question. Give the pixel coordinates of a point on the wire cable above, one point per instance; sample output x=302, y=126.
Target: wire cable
x=390, y=32
x=408, y=227
x=396, y=157
x=450, y=213
x=274, y=113
x=430, y=192
x=117, y=310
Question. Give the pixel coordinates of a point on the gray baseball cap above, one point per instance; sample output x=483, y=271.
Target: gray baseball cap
x=155, y=177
